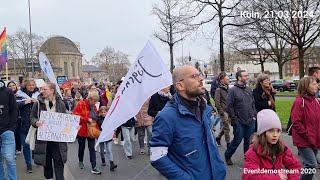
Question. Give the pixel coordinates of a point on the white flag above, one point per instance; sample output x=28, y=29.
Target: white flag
x=47, y=69
x=147, y=75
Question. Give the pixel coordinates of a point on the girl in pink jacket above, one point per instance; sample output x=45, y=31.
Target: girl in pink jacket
x=267, y=154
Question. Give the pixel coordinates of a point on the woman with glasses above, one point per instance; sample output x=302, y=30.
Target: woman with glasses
x=47, y=151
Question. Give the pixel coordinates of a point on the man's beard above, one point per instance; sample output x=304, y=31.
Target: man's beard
x=196, y=93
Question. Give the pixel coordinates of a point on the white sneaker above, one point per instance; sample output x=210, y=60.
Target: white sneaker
x=122, y=143
x=115, y=140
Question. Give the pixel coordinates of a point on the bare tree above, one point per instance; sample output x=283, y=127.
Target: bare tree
x=222, y=10
x=183, y=60
x=174, y=23
x=19, y=48
x=116, y=63
x=19, y=44
x=247, y=37
x=296, y=22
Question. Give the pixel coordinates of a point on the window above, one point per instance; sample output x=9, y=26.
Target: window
x=66, y=69
x=73, y=70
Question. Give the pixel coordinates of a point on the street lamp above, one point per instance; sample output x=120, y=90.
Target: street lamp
x=31, y=53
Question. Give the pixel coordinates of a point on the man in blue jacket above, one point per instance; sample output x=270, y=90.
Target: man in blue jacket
x=182, y=145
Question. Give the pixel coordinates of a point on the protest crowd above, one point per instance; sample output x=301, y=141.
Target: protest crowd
x=175, y=127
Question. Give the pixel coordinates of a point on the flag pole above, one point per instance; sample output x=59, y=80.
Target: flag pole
x=7, y=71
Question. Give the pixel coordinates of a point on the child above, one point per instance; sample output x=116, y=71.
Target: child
x=102, y=114
x=267, y=154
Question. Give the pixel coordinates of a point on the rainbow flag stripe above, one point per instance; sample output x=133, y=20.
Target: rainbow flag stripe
x=3, y=49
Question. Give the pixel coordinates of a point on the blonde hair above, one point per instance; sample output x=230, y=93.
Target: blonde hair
x=304, y=84
x=28, y=81
x=93, y=96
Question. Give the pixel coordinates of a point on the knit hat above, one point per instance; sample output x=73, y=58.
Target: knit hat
x=267, y=119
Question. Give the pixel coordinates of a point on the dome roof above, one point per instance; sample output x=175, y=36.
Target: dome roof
x=59, y=45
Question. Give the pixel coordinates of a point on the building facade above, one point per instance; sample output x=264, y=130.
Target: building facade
x=64, y=56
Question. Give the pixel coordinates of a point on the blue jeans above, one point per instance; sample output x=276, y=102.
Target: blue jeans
x=240, y=131
x=26, y=149
x=128, y=133
x=309, y=160
x=109, y=150
x=7, y=149
x=141, y=133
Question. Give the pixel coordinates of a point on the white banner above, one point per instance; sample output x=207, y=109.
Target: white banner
x=58, y=127
x=147, y=75
x=47, y=69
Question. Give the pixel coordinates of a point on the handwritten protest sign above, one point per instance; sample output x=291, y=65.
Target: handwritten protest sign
x=58, y=127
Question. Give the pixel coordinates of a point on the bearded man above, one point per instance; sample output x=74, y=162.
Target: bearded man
x=182, y=144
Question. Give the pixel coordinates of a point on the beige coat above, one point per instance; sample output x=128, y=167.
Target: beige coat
x=143, y=119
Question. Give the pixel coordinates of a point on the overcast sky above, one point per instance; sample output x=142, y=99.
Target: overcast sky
x=125, y=25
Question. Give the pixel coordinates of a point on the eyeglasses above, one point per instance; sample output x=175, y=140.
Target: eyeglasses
x=197, y=77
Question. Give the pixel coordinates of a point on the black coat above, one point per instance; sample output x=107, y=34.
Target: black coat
x=240, y=104
x=40, y=148
x=261, y=103
x=130, y=123
x=157, y=102
x=25, y=110
x=8, y=110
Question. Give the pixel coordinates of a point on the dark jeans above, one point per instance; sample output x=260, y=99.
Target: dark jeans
x=309, y=161
x=141, y=133
x=240, y=131
x=119, y=131
x=53, y=153
x=18, y=140
x=82, y=144
x=26, y=149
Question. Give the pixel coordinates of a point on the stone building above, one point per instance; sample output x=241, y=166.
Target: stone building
x=64, y=56
x=91, y=73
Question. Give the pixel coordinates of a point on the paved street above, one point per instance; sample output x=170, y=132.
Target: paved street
x=138, y=168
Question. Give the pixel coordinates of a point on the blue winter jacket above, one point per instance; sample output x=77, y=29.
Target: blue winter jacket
x=192, y=151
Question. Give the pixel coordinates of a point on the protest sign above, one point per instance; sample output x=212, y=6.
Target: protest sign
x=58, y=127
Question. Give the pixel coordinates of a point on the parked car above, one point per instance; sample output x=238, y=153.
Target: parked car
x=283, y=85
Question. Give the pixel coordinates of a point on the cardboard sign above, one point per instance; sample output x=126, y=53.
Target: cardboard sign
x=58, y=127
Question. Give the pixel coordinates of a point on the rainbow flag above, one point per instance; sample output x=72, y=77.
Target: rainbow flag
x=3, y=49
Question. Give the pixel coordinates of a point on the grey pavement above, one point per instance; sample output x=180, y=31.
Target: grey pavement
x=137, y=168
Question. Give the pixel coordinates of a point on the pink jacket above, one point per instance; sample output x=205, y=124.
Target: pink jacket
x=253, y=161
